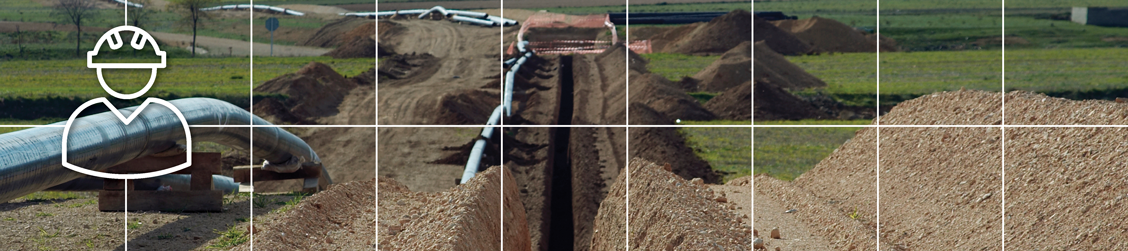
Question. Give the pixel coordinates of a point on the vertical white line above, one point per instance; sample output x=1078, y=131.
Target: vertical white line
x=877, y=119
x=501, y=48
x=752, y=104
x=251, y=84
x=1003, y=188
x=126, y=211
x=627, y=43
x=1003, y=108
x=126, y=5
x=627, y=169
x=376, y=185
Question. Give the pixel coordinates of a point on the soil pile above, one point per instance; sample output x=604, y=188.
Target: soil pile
x=466, y=217
x=777, y=39
x=775, y=103
x=773, y=68
x=667, y=98
x=732, y=104
x=315, y=91
x=600, y=87
x=339, y=218
x=668, y=213
x=828, y=35
x=733, y=68
x=940, y=187
x=715, y=37
x=338, y=32
x=358, y=43
x=666, y=145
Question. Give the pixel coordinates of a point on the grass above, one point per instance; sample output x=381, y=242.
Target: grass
x=786, y=153
x=726, y=149
x=133, y=225
x=905, y=75
x=50, y=196
x=674, y=66
x=230, y=237
x=182, y=76
x=815, y=122
x=641, y=8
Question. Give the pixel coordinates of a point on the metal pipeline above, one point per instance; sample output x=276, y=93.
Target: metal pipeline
x=481, y=22
x=181, y=182
x=475, y=159
x=30, y=160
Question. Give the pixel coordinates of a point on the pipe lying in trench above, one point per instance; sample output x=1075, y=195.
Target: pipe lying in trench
x=475, y=160
x=31, y=159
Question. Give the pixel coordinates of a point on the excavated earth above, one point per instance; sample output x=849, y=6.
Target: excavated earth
x=942, y=188
x=668, y=212
x=457, y=80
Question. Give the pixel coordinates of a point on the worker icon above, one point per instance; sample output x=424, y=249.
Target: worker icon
x=166, y=114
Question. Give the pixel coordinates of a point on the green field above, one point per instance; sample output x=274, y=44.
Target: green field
x=803, y=6
x=786, y=153
x=727, y=150
x=850, y=77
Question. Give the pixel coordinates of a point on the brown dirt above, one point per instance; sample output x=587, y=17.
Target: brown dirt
x=318, y=93
x=668, y=212
x=778, y=40
x=733, y=104
x=733, y=68
x=339, y=218
x=467, y=217
x=427, y=159
x=774, y=103
x=715, y=37
x=600, y=87
x=773, y=68
x=666, y=145
x=338, y=32
x=461, y=86
x=940, y=187
x=828, y=35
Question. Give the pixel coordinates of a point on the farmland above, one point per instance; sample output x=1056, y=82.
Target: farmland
x=726, y=149
x=1064, y=72
x=786, y=153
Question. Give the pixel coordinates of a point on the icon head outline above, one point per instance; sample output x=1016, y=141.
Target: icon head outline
x=113, y=39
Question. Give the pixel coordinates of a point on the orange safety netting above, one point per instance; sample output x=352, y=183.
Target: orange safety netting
x=555, y=20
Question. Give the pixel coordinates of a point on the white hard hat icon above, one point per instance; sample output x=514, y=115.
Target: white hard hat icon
x=113, y=39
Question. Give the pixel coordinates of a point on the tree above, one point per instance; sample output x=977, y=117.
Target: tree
x=139, y=15
x=75, y=12
x=192, y=15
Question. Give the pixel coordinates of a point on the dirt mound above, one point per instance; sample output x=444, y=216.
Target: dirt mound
x=315, y=91
x=466, y=217
x=359, y=43
x=732, y=104
x=339, y=218
x=666, y=145
x=715, y=37
x=778, y=40
x=599, y=85
x=667, y=213
x=828, y=35
x=733, y=68
x=337, y=32
x=774, y=103
x=773, y=68
x=948, y=108
x=660, y=94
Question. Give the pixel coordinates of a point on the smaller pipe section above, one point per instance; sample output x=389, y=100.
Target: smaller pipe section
x=473, y=21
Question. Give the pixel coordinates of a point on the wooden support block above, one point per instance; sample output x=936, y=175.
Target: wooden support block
x=206, y=162
x=243, y=174
x=167, y=201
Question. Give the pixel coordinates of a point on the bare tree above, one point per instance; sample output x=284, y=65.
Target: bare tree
x=140, y=15
x=192, y=15
x=75, y=12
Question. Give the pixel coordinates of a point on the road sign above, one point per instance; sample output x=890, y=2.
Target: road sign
x=271, y=25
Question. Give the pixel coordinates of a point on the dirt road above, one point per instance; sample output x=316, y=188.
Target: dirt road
x=461, y=85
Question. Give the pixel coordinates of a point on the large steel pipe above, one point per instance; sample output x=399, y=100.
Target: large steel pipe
x=30, y=160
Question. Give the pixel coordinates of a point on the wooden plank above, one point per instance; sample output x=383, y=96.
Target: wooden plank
x=243, y=174
x=207, y=161
x=165, y=201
